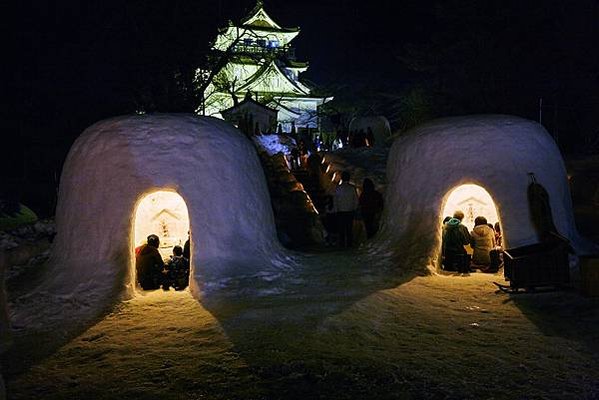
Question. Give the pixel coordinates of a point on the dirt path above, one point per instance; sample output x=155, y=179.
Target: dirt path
x=331, y=333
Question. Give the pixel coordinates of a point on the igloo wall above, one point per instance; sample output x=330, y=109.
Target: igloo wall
x=379, y=125
x=116, y=162
x=495, y=152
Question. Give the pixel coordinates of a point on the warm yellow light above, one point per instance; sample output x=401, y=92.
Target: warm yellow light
x=310, y=202
x=164, y=214
x=473, y=201
x=328, y=169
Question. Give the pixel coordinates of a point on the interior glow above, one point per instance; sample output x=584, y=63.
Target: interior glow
x=165, y=214
x=473, y=201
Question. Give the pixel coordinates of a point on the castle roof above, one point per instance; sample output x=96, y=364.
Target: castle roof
x=248, y=100
x=259, y=19
x=266, y=74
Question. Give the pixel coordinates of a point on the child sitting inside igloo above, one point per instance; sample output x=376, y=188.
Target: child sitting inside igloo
x=176, y=271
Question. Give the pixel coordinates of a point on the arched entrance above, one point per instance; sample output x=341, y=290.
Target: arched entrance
x=474, y=201
x=162, y=213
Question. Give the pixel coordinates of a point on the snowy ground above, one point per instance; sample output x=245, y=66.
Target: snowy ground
x=339, y=326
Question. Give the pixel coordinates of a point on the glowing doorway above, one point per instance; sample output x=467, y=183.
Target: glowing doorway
x=162, y=213
x=473, y=201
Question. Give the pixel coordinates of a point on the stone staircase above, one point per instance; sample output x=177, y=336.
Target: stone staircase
x=296, y=216
x=311, y=184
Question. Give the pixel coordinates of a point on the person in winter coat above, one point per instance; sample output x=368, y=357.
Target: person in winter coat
x=329, y=221
x=371, y=207
x=176, y=271
x=483, y=241
x=149, y=264
x=455, y=237
x=346, y=204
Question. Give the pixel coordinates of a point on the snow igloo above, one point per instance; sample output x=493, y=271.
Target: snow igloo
x=380, y=126
x=480, y=165
x=130, y=176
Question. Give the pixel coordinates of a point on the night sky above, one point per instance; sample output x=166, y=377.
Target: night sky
x=73, y=63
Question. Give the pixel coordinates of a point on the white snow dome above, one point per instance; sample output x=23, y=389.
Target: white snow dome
x=130, y=176
x=380, y=126
x=479, y=165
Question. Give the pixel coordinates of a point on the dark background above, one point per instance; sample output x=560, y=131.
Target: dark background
x=73, y=63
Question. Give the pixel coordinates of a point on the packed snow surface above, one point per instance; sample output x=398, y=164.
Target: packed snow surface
x=344, y=325
x=274, y=144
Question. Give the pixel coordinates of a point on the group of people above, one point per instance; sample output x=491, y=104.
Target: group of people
x=153, y=272
x=345, y=205
x=298, y=155
x=484, y=239
x=306, y=144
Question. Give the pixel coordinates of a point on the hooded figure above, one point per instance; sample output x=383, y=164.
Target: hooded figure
x=346, y=203
x=483, y=241
x=455, y=237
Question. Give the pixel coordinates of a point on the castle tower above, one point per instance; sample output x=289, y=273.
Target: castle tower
x=258, y=58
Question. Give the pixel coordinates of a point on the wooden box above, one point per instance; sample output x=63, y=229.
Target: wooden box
x=541, y=264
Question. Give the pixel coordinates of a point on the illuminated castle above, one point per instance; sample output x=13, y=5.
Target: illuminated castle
x=260, y=61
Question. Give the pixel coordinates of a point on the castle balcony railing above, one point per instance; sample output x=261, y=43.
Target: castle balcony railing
x=255, y=49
